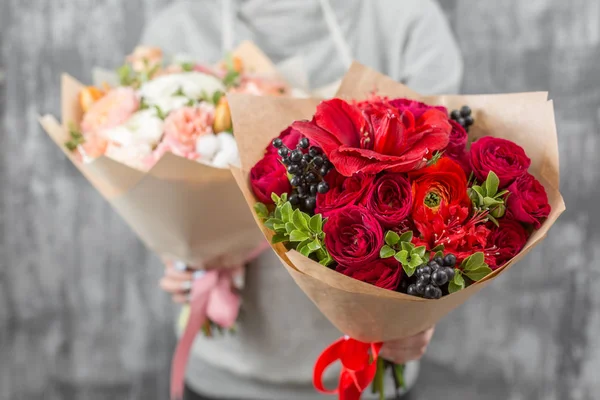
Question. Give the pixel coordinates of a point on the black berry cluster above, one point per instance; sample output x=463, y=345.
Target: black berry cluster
x=463, y=117
x=430, y=280
x=307, y=170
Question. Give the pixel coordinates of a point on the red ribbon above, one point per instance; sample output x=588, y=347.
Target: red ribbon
x=359, y=364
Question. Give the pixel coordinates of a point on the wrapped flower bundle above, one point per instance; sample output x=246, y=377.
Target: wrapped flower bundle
x=387, y=212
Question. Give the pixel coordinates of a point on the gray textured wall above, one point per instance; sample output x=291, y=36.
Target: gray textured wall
x=80, y=314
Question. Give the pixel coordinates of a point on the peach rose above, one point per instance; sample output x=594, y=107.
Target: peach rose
x=110, y=111
x=145, y=58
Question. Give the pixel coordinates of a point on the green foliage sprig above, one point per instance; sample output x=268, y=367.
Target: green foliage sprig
x=485, y=197
x=473, y=267
x=401, y=248
x=76, y=138
x=297, y=229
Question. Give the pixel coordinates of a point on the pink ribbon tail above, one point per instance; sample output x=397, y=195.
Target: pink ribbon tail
x=211, y=297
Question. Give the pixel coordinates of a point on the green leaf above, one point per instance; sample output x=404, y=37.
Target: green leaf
x=159, y=112
x=420, y=251
x=399, y=372
x=502, y=193
x=406, y=236
x=491, y=184
x=261, y=210
x=402, y=257
x=279, y=227
x=179, y=92
x=217, y=97
x=493, y=219
x=415, y=261
x=284, y=197
x=275, y=198
x=299, y=220
x=438, y=254
x=326, y=261
x=278, y=238
x=458, y=283
x=489, y=201
x=435, y=158
x=391, y=238
x=478, y=189
x=478, y=273
x=231, y=78
x=314, y=245
x=270, y=223
x=316, y=223
x=277, y=213
x=410, y=271
x=409, y=247
x=289, y=227
x=298, y=236
x=439, y=247
x=187, y=66
x=475, y=260
x=386, y=252
x=304, y=250
x=286, y=212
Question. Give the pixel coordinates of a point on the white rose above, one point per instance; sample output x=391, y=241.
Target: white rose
x=161, y=91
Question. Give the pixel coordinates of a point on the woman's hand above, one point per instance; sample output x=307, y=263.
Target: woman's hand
x=408, y=349
x=177, y=282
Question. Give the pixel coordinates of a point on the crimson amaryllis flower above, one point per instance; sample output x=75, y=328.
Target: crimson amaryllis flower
x=371, y=137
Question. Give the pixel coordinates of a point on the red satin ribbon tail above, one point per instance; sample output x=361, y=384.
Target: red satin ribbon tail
x=329, y=356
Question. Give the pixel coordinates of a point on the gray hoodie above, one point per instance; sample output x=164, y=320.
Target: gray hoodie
x=280, y=331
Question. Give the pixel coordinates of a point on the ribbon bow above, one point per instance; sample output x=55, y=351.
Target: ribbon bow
x=211, y=296
x=359, y=364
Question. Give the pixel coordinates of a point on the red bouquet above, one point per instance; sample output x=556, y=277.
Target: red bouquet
x=391, y=204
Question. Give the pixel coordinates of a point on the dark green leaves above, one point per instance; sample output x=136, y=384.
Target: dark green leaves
x=76, y=138
x=487, y=198
x=298, y=230
x=401, y=248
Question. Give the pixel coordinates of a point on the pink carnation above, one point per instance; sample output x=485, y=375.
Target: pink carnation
x=182, y=129
x=111, y=110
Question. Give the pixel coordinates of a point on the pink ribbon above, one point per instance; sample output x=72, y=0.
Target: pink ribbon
x=212, y=296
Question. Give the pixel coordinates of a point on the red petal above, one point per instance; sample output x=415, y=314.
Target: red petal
x=317, y=136
x=342, y=120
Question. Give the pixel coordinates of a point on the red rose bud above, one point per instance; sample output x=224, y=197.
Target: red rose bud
x=507, y=159
x=269, y=176
x=384, y=273
x=342, y=192
x=290, y=138
x=440, y=185
x=505, y=242
x=375, y=136
x=389, y=199
x=528, y=201
x=353, y=236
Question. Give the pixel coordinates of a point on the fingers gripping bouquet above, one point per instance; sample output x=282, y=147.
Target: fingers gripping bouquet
x=387, y=212
x=158, y=147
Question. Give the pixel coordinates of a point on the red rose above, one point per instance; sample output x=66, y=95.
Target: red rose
x=374, y=136
x=505, y=242
x=384, y=273
x=290, y=138
x=507, y=159
x=528, y=201
x=440, y=185
x=353, y=236
x=343, y=191
x=457, y=147
x=389, y=199
x=269, y=176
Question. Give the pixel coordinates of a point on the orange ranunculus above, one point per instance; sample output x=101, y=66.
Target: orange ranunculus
x=88, y=96
x=442, y=184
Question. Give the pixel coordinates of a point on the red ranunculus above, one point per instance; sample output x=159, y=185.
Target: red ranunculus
x=389, y=199
x=457, y=147
x=269, y=176
x=290, y=138
x=353, y=236
x=384, y=273
x=505, y=242
x=507, y=159
x=528, y=201
x=415, y=107
x=374, y=136
x=343, y=191
x=440, y=185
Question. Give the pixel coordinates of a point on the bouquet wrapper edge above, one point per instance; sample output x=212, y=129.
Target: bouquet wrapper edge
x=362, y=311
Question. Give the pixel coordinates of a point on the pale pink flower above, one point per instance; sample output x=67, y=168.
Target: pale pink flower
x=184, y=126
x=110, y=111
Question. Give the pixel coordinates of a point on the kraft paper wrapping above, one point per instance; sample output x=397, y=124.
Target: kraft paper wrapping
x=181, y=209
x=366, y=312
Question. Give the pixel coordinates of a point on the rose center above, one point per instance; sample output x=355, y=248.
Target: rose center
x=432, y=200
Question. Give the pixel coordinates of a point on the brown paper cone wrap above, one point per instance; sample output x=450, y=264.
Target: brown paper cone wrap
x=181, y=209
x=366, y=312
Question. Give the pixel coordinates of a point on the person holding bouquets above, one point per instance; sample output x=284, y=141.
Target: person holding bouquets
x=280, y=332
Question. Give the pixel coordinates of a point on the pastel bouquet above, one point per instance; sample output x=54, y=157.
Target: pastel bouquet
x=158, y=145
x=388, y=210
